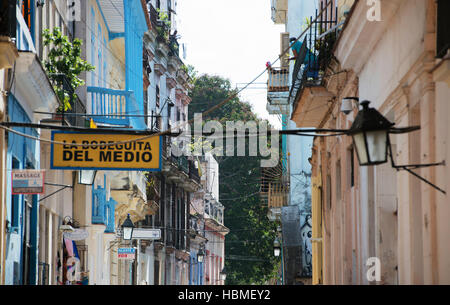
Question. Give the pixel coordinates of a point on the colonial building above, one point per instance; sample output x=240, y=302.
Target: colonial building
x=139, y=83
x=26, y=90
x=288, y=189
x=394, y=55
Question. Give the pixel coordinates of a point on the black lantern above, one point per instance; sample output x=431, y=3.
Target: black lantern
x=223, y=274
x=200, y=254
x=276, y=247
x=370, y=132
x=127, y=228
x=86, y=177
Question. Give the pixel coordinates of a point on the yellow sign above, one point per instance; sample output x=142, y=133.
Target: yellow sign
x=105, y=151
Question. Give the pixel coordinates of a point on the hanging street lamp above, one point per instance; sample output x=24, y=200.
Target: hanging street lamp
x=200, y=255
x=370, y=132
x=370, y=135
x=127, y=228
x=86, y=177
x=276, y=247
x=223, y=274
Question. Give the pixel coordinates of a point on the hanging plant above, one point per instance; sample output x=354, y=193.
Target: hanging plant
x=164, y=27
x=64, y=65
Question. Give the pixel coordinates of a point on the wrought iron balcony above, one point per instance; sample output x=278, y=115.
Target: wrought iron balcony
x=312, y=68
x=182, y=163
x=316, y=51
x=153, y=14
x=193, y=172
x=111, y=106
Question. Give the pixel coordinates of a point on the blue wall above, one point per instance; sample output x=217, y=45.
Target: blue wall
x=22, y=153
x=195, y=270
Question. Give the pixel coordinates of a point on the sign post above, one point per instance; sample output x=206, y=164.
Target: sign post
x=143, y=233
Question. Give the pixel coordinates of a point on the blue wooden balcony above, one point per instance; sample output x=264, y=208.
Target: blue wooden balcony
x=114, y=107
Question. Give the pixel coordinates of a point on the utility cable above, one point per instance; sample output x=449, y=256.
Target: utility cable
x=235, y=94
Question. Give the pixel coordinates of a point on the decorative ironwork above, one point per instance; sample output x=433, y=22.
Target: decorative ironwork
x=315, y=53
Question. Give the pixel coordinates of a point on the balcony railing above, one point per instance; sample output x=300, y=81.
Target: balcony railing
x=182, y=163
x=74, y=116
x=193, y=172
x=115, y=107
x=316, y=51
x=174, y=47
x=278, y=80
x=277, y=195
x=153, y=14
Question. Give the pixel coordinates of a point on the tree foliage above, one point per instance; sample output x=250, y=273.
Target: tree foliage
x=251, y=233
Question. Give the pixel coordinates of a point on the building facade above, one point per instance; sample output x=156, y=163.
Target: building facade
x=140, y=83
x=295, y=180
x=394, y=55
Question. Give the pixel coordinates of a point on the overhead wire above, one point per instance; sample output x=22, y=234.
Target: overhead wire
x=206, y=112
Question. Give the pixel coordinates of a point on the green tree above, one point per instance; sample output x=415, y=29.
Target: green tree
x=64, y=64
x=251, y=233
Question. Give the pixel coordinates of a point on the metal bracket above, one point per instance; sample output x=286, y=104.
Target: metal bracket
x=414, y=166
x=59, y=190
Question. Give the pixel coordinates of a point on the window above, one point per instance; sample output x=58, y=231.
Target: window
x=338, y=180
x=329, y=191
x=27, y=11
x=443, y=28
x=8, y=18
x=92, y=47
x=105, y=64
x=99, y=54
x=157, y=96
x=26, y=259
x=351, y=166
x=15, y=200
x=169, y=9
x=146, y=106
x=156, y=273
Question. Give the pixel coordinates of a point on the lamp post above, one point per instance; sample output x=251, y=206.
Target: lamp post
x=127, y=228
x=276, y=247
x=223, y=274
x=200, y=255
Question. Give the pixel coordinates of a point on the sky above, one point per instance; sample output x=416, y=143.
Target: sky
x=233, y=39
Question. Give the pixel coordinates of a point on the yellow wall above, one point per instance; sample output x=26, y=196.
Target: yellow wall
x=316, y=206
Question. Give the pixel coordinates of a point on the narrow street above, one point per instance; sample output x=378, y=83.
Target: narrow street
x=250, y=144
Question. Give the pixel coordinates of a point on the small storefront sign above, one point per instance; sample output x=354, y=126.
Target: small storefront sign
x=27, y=181
x=77, y=234
x=126, y=253
x=148, y=234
